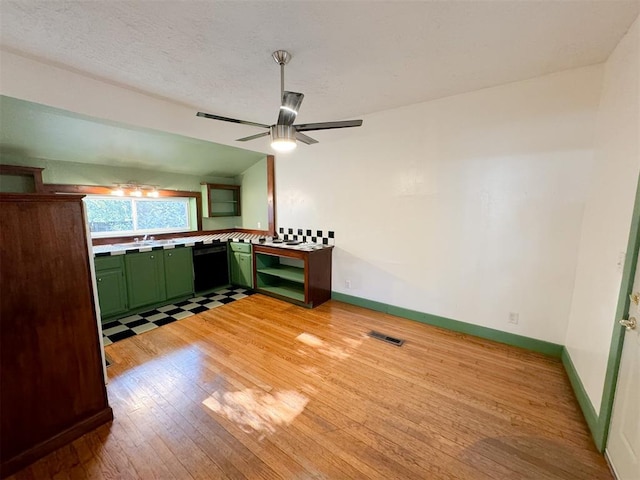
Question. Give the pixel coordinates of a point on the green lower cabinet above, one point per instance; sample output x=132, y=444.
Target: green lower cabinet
x=112, y=286
x=246, y=270
x=178, y=270
x=241, y=269
x=126, y=283
x=145, y=278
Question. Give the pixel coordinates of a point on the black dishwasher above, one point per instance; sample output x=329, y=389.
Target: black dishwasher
x=210, y=266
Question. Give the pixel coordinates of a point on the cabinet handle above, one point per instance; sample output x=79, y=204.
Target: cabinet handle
x=170, y=254
x=151, y=257
x=99, y=279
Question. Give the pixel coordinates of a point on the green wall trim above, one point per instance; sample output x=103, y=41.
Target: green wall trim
x=533, y=344
x=617, y=338
x=586, y=406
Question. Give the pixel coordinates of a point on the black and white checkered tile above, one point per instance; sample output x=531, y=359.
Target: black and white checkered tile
x=116, y=330
x=324, y=237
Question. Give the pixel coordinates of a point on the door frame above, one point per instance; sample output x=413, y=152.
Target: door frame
x=615, y=349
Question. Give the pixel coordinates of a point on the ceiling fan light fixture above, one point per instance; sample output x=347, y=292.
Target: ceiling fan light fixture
x=284, y=134
x=283, y=138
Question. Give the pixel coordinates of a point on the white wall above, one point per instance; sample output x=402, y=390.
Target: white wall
x=467, y=207
x=607, y=217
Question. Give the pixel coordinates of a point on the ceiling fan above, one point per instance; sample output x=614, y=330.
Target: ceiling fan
x=284, y=133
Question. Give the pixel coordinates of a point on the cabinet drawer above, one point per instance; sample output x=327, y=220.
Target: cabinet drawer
x=108, y=262
x=240, y=247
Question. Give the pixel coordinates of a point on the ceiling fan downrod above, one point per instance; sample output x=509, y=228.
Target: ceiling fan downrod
x=281, y=57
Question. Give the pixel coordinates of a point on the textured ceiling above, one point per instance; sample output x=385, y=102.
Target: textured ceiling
x=349, y=58
x=37, y=131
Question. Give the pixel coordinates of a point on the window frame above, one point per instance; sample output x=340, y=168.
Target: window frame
x=63, y=188
x=186, y=201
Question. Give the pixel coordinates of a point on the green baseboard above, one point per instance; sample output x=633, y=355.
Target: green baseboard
x=586, y=406
x=532, y=344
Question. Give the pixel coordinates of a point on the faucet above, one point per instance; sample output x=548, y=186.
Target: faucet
x=144, y=239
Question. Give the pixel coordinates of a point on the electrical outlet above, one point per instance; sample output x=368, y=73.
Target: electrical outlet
x=347, y=283
x=514, y=317
x=259, y=225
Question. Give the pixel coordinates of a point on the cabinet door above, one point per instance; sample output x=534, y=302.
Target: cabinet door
x=234, y=268
x=112, y=292
x=245, y=272
x=145, y=278
x=178, y=268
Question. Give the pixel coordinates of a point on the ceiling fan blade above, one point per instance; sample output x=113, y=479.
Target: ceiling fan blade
x=232, y=120
x=253, y=137
x=305, y=127
x=305, y=138
x=291, y=102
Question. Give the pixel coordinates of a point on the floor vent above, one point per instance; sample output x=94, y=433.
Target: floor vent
x=386, y=338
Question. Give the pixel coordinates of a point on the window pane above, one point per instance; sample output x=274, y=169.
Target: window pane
x=158, y=214
x=109, y=214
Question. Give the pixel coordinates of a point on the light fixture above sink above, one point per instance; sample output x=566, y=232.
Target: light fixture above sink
x=133, y=189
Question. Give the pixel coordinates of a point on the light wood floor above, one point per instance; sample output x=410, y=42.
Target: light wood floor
x=263, y=389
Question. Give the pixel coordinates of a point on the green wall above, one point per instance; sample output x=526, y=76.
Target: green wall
x=56, y=171
x=253, y=196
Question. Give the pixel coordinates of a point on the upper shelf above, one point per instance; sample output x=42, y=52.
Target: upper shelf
x=221, y=200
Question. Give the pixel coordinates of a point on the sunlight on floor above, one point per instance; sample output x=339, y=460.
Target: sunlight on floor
x=252, y=409
x=325, y=348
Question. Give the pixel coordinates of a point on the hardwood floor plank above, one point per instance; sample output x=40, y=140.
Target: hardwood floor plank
x=262, y=389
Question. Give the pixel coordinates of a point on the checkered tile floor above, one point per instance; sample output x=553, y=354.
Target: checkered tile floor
x=116, y=330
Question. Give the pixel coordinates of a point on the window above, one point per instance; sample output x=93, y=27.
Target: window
x=109, y=216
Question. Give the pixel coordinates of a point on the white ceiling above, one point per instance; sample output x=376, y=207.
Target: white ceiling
x=349, y=58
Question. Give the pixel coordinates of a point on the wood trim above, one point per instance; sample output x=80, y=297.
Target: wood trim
x=82, y=189
x=30, y=197
x=271, y=194
x=221, y=186
x=103, y=190
x=35, y=172
x=279, y=252
x=12, y=465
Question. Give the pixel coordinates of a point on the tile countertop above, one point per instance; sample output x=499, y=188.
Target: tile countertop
x=122, y=248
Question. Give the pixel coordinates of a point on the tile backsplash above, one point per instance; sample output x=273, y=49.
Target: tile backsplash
x=324, y=237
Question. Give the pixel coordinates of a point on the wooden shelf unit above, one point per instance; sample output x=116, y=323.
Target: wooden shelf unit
x=221, y=200
x=297, y=276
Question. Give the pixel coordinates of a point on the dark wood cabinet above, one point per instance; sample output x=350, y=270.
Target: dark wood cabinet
x=297, y=276
x=52, y=386
x=221, y=200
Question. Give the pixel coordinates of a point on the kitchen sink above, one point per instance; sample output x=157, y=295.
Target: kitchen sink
x=149, y=243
